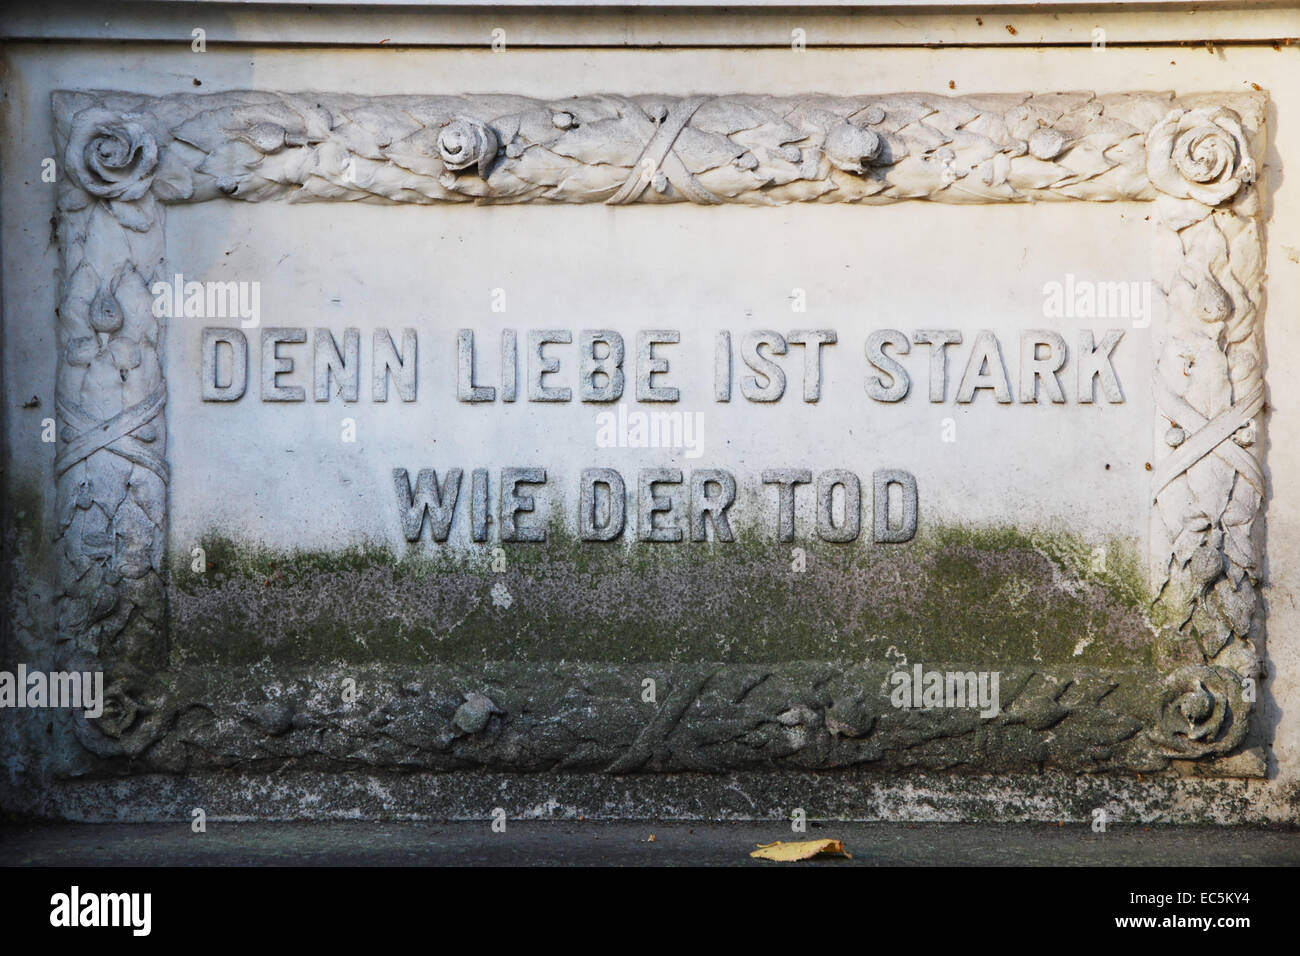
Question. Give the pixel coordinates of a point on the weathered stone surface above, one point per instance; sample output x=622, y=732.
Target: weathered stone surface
x=125, y=154
x=236, y=668
x=589, y=717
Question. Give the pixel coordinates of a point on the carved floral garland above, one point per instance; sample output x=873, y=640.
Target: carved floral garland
x=127, y=155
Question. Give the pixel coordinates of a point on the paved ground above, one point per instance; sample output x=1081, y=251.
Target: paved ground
x=623, y=843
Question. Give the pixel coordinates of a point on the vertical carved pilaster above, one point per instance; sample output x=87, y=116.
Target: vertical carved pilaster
x=111, y=465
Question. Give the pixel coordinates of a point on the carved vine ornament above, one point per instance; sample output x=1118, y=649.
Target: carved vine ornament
x=128, y=156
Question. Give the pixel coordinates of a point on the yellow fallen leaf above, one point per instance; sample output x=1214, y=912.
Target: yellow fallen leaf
x=789, y=852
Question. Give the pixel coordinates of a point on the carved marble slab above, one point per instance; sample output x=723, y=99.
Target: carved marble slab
x=1194, y=158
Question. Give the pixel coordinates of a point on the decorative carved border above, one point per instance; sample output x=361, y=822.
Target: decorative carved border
x=128, y=156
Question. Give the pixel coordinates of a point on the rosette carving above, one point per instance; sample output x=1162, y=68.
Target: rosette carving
x=466, y=142
x=111, y=155
x=1200, y=154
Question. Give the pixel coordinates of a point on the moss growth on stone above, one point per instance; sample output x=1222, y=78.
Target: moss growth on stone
x=26, y=510
x=983, y=595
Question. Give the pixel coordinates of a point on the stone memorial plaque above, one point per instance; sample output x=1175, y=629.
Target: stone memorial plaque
x=654, y=433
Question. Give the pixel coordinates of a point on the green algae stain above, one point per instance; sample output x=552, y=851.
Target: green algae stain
x=995, y=595
x=26, y=514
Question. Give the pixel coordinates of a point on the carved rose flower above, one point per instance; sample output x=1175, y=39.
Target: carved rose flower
x=110, y=155
x=1202, y=711
x=121, y=710
x=466, y=142
x=852, y=148
x=126, y=725
x=1196, y=710
x=1199, y=154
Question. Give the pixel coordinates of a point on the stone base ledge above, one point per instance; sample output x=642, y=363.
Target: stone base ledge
x=850, y=795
